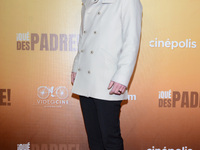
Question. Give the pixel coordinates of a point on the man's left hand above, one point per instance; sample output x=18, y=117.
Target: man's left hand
x=117, y=88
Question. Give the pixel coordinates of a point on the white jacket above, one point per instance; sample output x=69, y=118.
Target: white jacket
x=108, y=46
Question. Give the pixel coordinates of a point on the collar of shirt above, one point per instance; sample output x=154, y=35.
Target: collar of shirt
x=95, y=1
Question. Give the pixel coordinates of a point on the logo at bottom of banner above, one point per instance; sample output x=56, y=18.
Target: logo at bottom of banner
x=165, y=148
x=23, y=146
x=29, y=146
x=55, y=146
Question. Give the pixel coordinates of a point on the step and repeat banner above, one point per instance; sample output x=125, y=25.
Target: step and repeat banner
x=37, y=47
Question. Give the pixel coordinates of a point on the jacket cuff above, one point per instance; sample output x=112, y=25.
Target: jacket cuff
x=122, y=76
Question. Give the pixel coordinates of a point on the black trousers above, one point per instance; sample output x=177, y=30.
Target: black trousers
x=101, y=118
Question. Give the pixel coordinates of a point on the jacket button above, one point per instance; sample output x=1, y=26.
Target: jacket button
x=84, y=31
x=88, y=71
x=95, y=32
x=91, y=52
x=99, y=13
x=79, y=69
x=81, y=50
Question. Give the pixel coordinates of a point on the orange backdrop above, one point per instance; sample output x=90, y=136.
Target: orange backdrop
x=37, y=47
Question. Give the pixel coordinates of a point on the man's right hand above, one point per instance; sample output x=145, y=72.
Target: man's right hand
x=73, y=75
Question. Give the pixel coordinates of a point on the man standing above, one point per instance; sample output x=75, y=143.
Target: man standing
x=107, y=52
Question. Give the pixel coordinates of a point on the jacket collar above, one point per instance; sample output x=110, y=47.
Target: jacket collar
x=102, y=1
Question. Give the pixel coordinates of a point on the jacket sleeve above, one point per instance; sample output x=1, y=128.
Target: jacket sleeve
x=76, y=58
x=75, y=63
x=131, y=17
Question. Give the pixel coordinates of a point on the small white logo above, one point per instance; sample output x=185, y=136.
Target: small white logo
x=132, y=97
x=51, y=96
x=44, y=92
x=23, y=146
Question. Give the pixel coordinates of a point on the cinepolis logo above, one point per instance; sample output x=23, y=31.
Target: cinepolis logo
x=47, y=42
x=165, y=148
x=188, y=43
x=52, y=96
x=173, y=99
